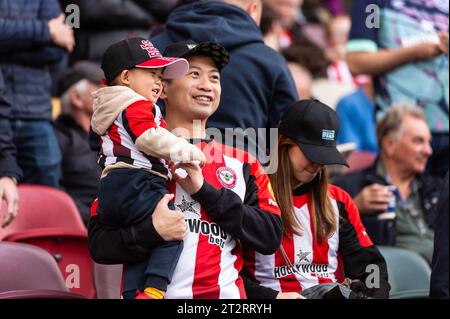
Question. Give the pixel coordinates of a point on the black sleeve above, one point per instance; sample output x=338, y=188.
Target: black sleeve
x=254, y=227
x=256, y=291
x=112, y=14
x=8, y=163
x=439, y=275
x=357, y=257
x=125, y=245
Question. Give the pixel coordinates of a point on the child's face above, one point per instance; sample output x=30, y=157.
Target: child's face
x=146, y=82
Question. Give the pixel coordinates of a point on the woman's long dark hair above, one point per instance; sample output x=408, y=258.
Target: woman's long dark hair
x=283, y=181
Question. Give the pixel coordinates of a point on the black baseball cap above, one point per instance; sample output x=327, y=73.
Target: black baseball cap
x=314, y=126
x=189, y=48
x=140, y=53
x=79, y=71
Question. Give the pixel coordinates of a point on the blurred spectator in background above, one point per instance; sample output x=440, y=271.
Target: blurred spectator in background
x=255, y=98
x=32, y=37
x=271, y=28
x=302, y=78
x=404, y=143
x=109, y=21
x=308, y=55
x=336, y=7
x=337, y=32
x=10, y=172
x=439, y=275
x=399, y=43
x=356, y=112
x=290, y=16
x=80, y=173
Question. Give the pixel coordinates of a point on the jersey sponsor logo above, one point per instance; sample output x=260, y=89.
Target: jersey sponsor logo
x=317, y=270
x=302, y=267
x=227, y=177
x=303, y=256
x=216, y=235
x=188, y=206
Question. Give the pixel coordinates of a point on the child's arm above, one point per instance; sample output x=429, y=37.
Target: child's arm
x=160, y=143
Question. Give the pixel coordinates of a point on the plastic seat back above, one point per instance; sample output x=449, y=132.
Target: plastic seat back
x=409, y=273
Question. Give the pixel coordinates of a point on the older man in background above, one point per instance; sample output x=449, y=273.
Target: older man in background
x=404, y=142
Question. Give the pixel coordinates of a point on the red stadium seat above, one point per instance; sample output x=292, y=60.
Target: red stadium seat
x=30, y=272
x=48, y=218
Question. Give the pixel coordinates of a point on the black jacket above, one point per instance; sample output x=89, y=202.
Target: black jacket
x=353, y=183
x=26, y=52
x=439, y=275
x=80, y=173
x=429, y=188
x=109, y=21
x=8, y=164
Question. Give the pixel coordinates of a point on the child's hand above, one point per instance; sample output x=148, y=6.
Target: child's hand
x=197, y=157
x=193, y=181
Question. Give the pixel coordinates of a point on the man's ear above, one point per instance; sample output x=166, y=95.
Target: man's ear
x=163, y=95
x=254, y=10
x=124, y=77
x=389, y=145
x=75, y=99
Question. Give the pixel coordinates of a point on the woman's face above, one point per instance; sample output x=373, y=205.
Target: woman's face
x=303, y=169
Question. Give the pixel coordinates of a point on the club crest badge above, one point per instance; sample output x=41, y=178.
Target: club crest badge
x=227, y=177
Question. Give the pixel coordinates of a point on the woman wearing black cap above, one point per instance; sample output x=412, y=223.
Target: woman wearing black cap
x=324, y=240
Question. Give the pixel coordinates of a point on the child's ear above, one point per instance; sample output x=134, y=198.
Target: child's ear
x=125, y=77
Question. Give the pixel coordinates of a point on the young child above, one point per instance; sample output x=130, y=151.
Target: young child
x=135, y=152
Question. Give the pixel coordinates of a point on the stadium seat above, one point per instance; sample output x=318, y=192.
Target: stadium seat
x=409, y=273
x=359, y=160
x=30, y=272
x=48, y=218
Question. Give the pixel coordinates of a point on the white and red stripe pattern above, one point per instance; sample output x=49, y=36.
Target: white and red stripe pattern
x=118, y=143
x=211, y=260
x=313, y=263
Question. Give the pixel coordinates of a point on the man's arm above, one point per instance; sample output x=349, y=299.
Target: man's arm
x=10, y=172
x=256, y=222
x=132, y=244
x=8, y=164
x=366, y=57
x=384, y=61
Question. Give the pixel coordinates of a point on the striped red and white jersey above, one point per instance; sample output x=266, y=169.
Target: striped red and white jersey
x=118, y=143
x=212, y=259
x=312, y=263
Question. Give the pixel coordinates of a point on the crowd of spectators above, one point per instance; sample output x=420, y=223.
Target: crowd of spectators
x=384, y=72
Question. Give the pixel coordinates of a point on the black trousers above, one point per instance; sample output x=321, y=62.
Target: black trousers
x=127, y=197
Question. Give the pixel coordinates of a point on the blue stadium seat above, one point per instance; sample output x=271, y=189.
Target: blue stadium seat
x=409, y=273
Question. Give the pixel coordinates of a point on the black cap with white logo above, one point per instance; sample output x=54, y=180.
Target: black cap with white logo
x=140, y=53
x=186, y=49
x=314, y=126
